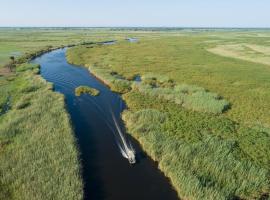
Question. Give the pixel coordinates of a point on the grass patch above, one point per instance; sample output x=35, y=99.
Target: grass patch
x=86, y=90
x=188, y=96
x=38, y=153
x=250, y=52
x=28, y=66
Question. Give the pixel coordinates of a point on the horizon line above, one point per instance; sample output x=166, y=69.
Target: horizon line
x=172, y=27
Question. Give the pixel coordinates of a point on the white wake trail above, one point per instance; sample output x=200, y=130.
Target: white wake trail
x=126, y=148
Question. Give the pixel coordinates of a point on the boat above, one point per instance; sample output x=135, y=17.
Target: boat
x=131, y=156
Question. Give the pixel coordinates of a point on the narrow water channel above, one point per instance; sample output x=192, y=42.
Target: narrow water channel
x=106, y=174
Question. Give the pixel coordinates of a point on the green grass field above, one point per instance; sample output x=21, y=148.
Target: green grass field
x=204, y=117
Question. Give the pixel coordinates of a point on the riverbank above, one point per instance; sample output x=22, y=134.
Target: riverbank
x=38, y=151
x=107, y=174
x=206, y=155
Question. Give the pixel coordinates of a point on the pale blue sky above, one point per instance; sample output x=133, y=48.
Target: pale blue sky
x=187, y=13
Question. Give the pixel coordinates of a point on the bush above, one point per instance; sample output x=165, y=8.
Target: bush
x=121, y=86
x=157, y=80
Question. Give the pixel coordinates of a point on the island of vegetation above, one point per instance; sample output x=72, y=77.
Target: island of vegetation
x=86, y=90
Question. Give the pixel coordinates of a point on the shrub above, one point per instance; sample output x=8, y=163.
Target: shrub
x=121, y=86
x=157, y=80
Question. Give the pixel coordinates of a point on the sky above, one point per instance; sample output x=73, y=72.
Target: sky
x=141, y=13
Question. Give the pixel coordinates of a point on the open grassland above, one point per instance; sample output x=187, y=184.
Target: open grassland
x=185, y=60
x=203, y=117
x=18, y=41
x=38, y=154
x=248, y=52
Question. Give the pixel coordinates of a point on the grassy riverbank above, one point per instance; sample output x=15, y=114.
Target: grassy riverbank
x=39, y=158
x=38, y=153
x=205, y=156
x=209, y=147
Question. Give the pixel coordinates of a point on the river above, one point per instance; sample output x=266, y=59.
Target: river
x=106, y=174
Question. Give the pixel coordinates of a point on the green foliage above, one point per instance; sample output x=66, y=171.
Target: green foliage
x=157, y=80
x=25, y=44
x=206, y=156
x=27, y=66
x=86, y=90
x=116, y=82
x=184, y=58
x=188, y=96
x=38, y=153
x=210, y=159
x=121, y=86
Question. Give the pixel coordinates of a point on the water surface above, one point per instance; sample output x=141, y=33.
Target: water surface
x=106, y=174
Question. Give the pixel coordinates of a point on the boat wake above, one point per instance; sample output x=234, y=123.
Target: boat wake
x=125, y=147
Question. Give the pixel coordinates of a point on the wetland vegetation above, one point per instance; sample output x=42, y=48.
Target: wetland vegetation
x=194, y=111
x=86, y=90
x=37, y=143
x=200, y=108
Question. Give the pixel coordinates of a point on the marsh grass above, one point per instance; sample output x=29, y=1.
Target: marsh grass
x=206, y=155
x=27, y=66
x=86, y=90
x=189, y=96
x=186, y=59
x=38, y=154
x=210, y=159
x=115, y=81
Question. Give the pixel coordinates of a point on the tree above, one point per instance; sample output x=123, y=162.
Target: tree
x=11, y=63
x=12, y=58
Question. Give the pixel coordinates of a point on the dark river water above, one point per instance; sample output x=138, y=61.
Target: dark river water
x=106, y=174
